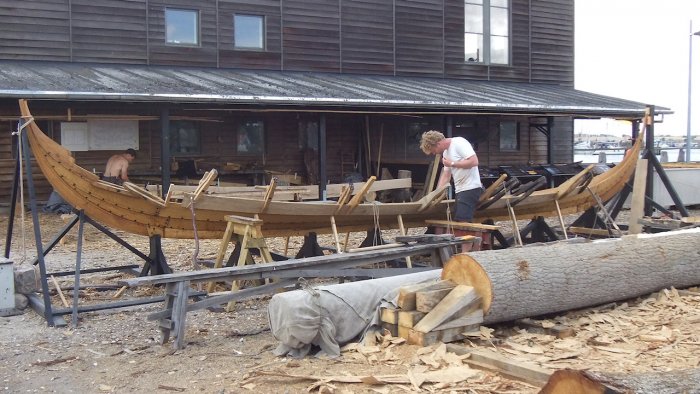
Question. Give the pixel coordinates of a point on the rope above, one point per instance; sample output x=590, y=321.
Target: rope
x=377, y=229
x=449, y=218
x=20, y=152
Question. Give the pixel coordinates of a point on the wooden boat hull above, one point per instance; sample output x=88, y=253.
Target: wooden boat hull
x=139, y=212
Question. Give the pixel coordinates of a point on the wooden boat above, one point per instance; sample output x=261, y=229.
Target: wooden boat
x=133, y=209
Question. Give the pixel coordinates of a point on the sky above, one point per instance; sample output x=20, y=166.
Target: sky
x=638, y=50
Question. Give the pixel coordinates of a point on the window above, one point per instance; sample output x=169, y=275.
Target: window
x=248, y=31
x=509, y=138
x=486, y=31
x=184, y=138
x=181, y=26
x=250, y=137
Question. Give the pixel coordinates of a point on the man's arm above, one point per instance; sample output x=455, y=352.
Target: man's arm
x=445, y=176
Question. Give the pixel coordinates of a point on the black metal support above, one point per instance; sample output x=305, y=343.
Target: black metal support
x=654, y=162
x=165, y=150
x=156, y=263
x=650, y=166
x=13, y=204
x=47, y=312
x=310, y=247
x=373, y=238
x=539, y=231
x=322, y=148
x=78, y=255
x=57, y=238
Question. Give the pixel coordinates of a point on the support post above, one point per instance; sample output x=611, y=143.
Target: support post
x=76, y=282
x=48, y=312
x=13, y=204
x=165, y=150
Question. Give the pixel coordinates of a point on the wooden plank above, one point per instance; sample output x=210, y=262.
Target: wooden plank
x=600, y=232
x=458, y=298
x=462, y=225
x=638, y=194
x=407, y=294
x=475, y=318
x=389, y=315
x=522, y=370
x=427, y=300
x=409, y=318
x=452, y=334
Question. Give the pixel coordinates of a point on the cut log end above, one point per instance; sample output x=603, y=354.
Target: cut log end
x=568, y=381
x=464, y=270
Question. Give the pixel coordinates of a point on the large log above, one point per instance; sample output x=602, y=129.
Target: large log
x=567, y=381
x=531, y=281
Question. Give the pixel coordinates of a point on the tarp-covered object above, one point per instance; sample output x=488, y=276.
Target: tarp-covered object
x=333, y=315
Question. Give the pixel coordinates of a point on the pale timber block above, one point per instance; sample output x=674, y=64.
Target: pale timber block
x=393, y=329
x=474, y=318
x=488, y=360
x=403, y=332
x=410, y=318
x=389, y=315
x=457, y=299
x=432, y=337
x=427, y=300
x=407, y=294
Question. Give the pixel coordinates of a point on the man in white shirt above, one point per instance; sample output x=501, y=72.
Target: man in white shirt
x=459, y=163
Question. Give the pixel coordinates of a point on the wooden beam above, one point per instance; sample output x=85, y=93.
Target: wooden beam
x=521, y=370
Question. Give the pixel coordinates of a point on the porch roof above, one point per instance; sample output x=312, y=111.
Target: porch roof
x=280, y=89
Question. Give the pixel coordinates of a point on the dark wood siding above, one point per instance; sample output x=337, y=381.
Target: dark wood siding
x=552, y=48
x=563, y=140
x=399, y=37
x=367, y=36
x=104, y=30
x=419, y=38
x=203, y=55
x=35, y=30
x=268, y=59
x=311, y=35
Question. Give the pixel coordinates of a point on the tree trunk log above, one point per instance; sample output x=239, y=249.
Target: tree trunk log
x=567, y=381
x=532, y=281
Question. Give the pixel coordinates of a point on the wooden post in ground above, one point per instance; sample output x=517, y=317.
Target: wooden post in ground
x=638, y=194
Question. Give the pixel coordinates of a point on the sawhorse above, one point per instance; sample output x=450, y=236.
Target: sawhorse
x=246, y=232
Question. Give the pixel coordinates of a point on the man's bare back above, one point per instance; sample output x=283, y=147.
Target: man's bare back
x=116, y=170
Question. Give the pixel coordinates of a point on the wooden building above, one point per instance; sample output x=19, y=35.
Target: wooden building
x=316, y=88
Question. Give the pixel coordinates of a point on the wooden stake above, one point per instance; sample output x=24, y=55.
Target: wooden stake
x=60, y=292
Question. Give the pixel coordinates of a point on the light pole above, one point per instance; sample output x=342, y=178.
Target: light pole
x=688, y=145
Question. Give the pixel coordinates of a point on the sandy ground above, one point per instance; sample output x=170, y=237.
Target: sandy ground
x=118, y=350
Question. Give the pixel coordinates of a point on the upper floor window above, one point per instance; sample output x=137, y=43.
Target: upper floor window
x=181, y=26
x=486, y=31
x=248, y=31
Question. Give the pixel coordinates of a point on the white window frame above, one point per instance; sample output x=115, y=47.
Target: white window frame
x=260, y=47
x=195, y=41
x=485, y=32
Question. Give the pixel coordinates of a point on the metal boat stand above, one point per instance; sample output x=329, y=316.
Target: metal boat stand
x=42, y=305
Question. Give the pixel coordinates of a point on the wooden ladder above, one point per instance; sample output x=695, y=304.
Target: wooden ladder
x=246, y=232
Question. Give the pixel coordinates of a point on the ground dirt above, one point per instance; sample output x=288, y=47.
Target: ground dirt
x=118, y=350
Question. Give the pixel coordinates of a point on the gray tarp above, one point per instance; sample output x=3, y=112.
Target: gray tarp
x=333, y=315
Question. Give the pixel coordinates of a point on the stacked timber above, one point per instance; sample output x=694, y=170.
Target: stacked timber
x=427, y=313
